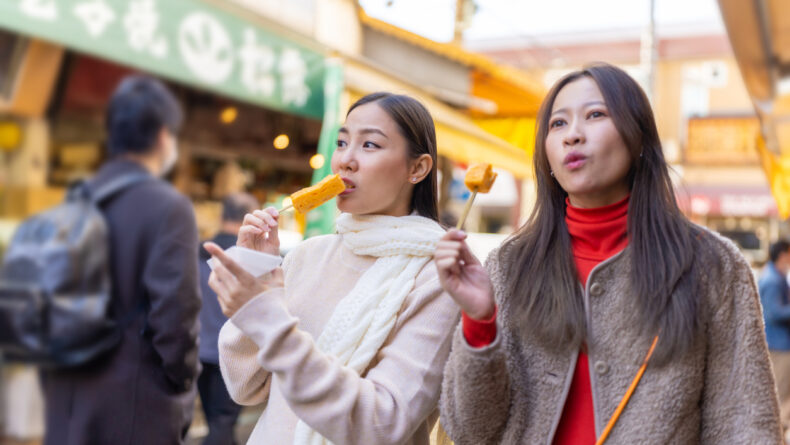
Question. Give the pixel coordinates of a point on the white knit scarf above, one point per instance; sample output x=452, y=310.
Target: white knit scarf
x=364, y=318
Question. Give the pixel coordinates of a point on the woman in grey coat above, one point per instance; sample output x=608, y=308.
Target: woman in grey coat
x=539, y=311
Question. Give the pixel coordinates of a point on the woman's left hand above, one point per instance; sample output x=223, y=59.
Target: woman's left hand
x=234, y=285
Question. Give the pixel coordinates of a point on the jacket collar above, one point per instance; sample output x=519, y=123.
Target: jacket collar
x=115, y=167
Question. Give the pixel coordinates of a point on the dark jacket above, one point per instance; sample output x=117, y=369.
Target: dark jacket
x=211, y=316
x=142, y=392
x=776, y=308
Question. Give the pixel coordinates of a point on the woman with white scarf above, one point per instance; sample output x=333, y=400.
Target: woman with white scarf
x=349, y=339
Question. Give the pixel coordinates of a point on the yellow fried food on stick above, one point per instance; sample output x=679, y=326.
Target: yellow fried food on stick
x=311, y=197
x=479, y=179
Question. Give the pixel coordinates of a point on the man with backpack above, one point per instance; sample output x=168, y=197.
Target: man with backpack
x=142, y=389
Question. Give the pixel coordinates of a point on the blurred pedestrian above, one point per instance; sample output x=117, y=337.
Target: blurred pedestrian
x=774, y=295
x=143, y=390
x=220, y=410
x=349, y=338
x=606, y=275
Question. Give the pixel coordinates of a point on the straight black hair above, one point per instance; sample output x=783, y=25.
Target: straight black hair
x=777, y=249
x=542, y=281
x=139, y=109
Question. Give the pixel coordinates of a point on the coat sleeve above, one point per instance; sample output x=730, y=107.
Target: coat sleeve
x=739, y=402
x=171, y=282
x=388, y=403
x=247, y=381
x=475, y=402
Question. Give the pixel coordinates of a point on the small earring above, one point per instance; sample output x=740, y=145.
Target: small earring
x=641, y=153
x=551, y=172
x=414, y=180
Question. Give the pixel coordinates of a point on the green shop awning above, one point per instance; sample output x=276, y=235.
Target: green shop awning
x=184, y=40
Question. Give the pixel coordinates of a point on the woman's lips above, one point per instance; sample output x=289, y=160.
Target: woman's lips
x=350, y=186
x=574, y=161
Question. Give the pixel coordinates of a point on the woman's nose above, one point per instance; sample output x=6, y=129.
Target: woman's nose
x=574, y=135
x=347, y=159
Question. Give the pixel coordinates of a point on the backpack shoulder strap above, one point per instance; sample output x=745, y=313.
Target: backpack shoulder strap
x=111, y=188
x=101, y=195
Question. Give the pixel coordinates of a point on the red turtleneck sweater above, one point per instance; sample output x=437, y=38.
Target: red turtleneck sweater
x=596, y=234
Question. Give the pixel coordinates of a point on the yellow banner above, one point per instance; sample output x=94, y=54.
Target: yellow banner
x=518, y=131
x=777, y=170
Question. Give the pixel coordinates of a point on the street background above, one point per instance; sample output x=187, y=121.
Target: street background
x=266, y=83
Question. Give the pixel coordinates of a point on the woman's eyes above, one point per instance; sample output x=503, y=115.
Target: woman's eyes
x=367, y=144
x=591, y=115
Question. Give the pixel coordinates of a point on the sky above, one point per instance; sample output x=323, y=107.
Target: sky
x=533, y=18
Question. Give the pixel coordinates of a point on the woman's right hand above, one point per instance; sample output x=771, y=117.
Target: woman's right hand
x=463, y=277
x=259, y=231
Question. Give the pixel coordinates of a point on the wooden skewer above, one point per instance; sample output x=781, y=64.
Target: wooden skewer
x=288, y=207
x=466, y=210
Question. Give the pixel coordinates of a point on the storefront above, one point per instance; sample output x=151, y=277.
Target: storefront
x=724, y=187
x=746, y=215
x=253, y=102
x=253, y=99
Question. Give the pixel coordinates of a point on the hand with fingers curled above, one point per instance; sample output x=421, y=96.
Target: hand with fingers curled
x=463, y=277
x=234, y=285
x=259, y=231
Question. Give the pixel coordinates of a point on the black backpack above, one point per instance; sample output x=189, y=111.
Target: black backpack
x=55, y=284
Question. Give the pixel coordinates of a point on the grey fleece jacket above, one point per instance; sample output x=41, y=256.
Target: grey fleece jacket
x=721, y=392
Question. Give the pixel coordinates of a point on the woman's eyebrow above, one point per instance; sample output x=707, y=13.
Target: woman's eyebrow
x=373, y=130
x=585, y=105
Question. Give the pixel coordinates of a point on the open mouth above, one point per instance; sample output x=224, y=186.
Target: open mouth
x=350, y=186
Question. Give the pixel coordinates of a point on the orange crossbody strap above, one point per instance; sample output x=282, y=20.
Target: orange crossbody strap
x=627, y=395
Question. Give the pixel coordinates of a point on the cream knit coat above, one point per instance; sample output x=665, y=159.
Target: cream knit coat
x=267, y=350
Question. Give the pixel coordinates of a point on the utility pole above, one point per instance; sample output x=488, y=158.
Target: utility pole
x=649, y=53
x=464, y=10
x=458, y=32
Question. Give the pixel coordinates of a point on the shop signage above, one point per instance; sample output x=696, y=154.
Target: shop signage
x=728, y=201
x=722, y=140
x=190, y=41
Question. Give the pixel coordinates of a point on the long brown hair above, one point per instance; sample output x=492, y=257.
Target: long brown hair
x=416, y=125
x=542, y=282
